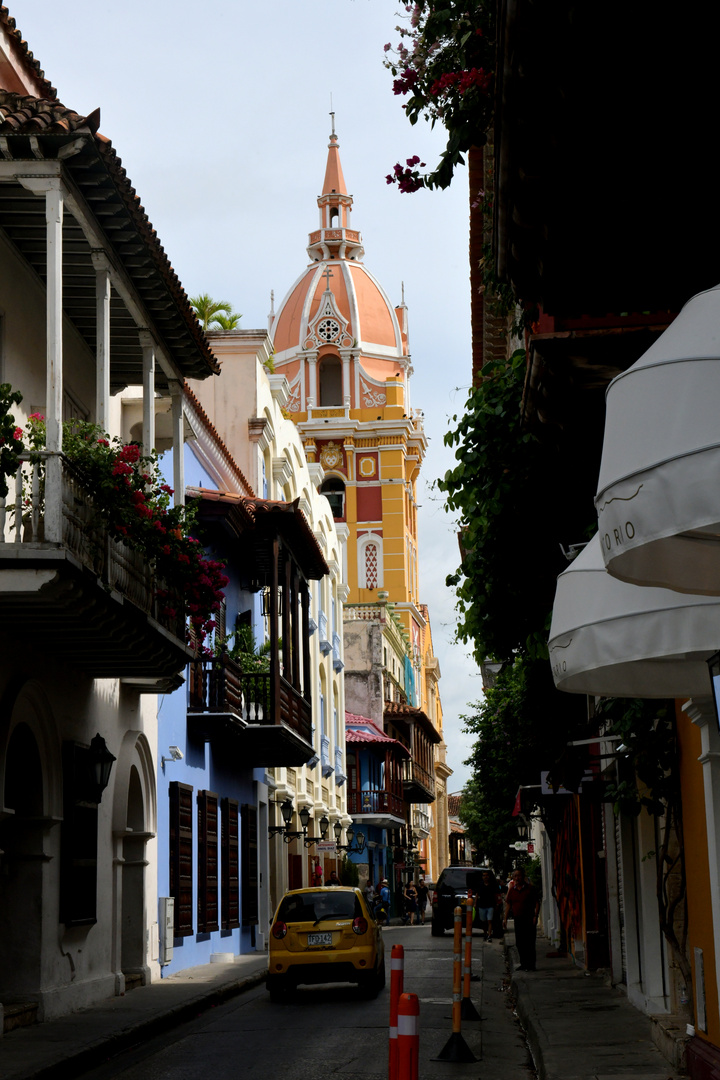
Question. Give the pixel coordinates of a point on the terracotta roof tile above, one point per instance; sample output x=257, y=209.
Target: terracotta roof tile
x=47, y=90
x=376, y=737
x=30, y=115
x=398, y=711
x=453, y=804
x=273, y=515
x=23, y=116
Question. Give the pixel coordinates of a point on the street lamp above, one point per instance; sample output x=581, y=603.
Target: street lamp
x=288, y=834
x=99, y=763
x=350, y=832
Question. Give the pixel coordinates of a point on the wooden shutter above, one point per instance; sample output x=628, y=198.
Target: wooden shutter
x=181, y=844
x=249, y=856
x=230, y=865
x=207, y=802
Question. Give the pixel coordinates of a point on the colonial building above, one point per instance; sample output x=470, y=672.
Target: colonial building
x=344, y=349
x=89, y=304
x=288, y=589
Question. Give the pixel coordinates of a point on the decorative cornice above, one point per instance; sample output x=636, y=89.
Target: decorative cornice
x=280, y=390
x=281, y=470
x=316, y=472
x=260, y=431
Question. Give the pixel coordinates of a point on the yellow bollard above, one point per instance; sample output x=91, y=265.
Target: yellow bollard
x=467, y=1009
x=456, y=1049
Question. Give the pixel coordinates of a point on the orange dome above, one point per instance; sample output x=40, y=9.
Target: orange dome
x=367, y=316
x=336, y=307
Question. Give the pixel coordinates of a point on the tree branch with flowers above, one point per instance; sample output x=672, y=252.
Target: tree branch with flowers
x=444, y=63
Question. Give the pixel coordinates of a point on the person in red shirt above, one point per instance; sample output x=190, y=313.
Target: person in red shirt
x=523, y=903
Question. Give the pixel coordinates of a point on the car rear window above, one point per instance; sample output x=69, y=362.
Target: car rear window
x=314, y=906
x=460, y=879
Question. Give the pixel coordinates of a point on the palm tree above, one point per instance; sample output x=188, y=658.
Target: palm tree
x=227, y=322
x=214, y=312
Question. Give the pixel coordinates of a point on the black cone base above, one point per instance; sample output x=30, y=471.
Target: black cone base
x=455, y=1049
x=468, y=1010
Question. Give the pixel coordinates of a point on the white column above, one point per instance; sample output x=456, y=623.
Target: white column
x=102, y=315
x=312, y=390
x=178, y=443
x=148, y=430
x=702, y=713
x=54, y=353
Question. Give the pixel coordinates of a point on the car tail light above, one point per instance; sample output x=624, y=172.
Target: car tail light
x=279, y=930
x=434, y=898
x=360, y=926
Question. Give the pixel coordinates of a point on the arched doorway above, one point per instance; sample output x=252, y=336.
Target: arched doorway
x=134, y=824
x=133, y=886
x=21, y=874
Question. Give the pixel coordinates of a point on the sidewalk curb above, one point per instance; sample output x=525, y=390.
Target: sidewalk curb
x=108, y=1047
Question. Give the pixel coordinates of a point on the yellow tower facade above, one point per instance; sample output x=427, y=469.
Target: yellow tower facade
x=344, y=349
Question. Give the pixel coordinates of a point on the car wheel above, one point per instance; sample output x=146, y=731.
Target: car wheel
x=437, y=929
x=277, y=987
x=373, y=982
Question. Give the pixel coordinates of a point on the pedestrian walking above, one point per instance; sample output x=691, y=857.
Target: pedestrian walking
x=486, y=900
x=422, y=891
x=522, y=901
x=383, y=908
x=498, y=916
x=333, y=879
x=370, y=894
x=411, y=902
x=317, y=872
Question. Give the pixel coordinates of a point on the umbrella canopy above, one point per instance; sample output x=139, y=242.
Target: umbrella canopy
x=658, y=499
x=618, y=640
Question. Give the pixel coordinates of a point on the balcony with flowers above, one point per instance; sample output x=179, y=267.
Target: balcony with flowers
x=95, y=561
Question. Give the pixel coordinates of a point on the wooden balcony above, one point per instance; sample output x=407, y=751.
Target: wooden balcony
x=418, y=783
x=377, y=804
x=79, y=594
x=261, y=718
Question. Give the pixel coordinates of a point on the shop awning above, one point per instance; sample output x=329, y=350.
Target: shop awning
x=658, y=499
x=619, y=640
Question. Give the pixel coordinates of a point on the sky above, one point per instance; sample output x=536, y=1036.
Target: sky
x=219, y=113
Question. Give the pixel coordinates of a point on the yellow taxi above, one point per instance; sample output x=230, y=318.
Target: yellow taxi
x=325, y=935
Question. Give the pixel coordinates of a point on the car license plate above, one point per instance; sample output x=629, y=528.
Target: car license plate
x=320, y=939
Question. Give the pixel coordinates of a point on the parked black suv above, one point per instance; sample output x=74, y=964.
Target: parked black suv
x=451, y=889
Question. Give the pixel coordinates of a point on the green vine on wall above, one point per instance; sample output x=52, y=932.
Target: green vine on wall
x=495, y=492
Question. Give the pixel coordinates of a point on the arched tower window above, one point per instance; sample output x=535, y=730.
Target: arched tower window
x=334, y=491
x=334, y=217
x=330, y=381
x=370, y=561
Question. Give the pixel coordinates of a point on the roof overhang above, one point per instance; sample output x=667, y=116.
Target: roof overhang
x=104, y=225
x=263, y=520
x=587, y=125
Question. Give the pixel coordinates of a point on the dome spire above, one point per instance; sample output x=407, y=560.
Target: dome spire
x=334, y=239
x=334, y=183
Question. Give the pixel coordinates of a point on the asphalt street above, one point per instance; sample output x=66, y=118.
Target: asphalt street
x=333, y=1030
